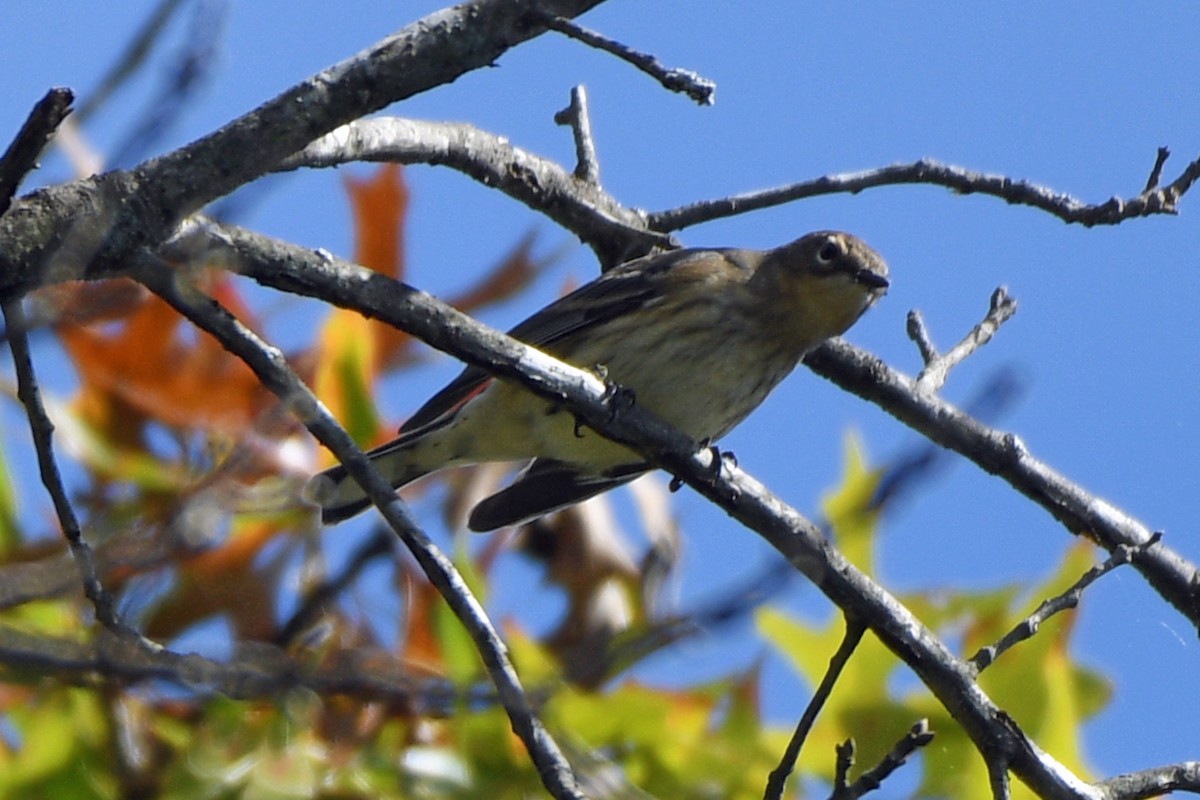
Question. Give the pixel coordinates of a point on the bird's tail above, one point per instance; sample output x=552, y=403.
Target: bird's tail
x=340, y=497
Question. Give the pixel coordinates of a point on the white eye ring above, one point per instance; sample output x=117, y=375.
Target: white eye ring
x=830, y=251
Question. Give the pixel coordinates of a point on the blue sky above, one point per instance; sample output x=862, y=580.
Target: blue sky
x=1077, y=96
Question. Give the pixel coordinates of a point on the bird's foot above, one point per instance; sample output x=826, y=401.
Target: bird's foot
x=617, y=398
x=716, y=462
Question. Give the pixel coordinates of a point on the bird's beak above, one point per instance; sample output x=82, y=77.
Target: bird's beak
x=871, y=279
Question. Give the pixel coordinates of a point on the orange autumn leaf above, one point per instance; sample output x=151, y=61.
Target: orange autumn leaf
x=379, y=206
x=147, y=366
x=512, y=274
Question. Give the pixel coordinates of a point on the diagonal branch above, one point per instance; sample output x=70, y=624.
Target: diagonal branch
x=271, y=368
x=125, y=211
x=918, y=736
x=1065, y=601
x=43, y=433
x=26, y=147
x=777, y=780
x=1004, y=455
x=298, y=270
x=700, y=89
x=937, y=367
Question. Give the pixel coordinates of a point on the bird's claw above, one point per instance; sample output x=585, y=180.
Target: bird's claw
x=619, y=399
x=716, y=462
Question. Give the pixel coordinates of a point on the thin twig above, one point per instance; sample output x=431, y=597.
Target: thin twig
x=777, y=780
x=17, y=161
x=998, y=779
x=379, y=544
x=1069, y=599
x=26, y=147
x=271, y=368
x=915, y=326
x=962, y=181
x=917, y=737
x=43, y=434
x=937, y=367
x=1156, y=171
x=700, y=89
x=587, y=165
x=133, y=57
x=843, y=763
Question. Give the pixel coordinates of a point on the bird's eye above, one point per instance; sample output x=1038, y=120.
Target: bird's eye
x=829, y=252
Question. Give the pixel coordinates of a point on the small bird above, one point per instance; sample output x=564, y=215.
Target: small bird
x=699, y=336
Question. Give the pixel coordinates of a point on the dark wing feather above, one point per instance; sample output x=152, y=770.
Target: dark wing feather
x=618, y=291
x=545, y=486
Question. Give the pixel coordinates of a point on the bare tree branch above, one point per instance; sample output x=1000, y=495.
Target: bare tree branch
x=1160, y=161
x=17, y=161
x=917, y=737
x=1182, y=777
x=26, y=147
x=614, y=232
x=700, y=89
x=43, y=432
x=1069, y=599
x=1004, y=455
x=962, y=181
x=92, y=227
x=298, y=270
x=578, y=119
x=777, y=780
x=271, y=368
x=1001, y=307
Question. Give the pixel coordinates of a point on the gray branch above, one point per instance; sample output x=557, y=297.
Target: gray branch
x=1028, y=627
x=301, y=271
x=579, y=119
x=92, y=227
x=700, y=89
x=1182, y=777
x=1004, y=455
x=937, y=368
x=614, y=232
x=1151, y=201
x=271, y=368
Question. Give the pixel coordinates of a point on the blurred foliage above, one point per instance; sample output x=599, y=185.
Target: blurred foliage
x=189, y=477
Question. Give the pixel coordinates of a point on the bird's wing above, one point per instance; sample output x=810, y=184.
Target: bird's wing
x=545, y=486
x=618, y=291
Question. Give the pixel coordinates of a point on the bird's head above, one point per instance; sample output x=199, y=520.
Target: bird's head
x=822, y=283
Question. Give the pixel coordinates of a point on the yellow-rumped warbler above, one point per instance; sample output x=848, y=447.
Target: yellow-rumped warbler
x=700, y=336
